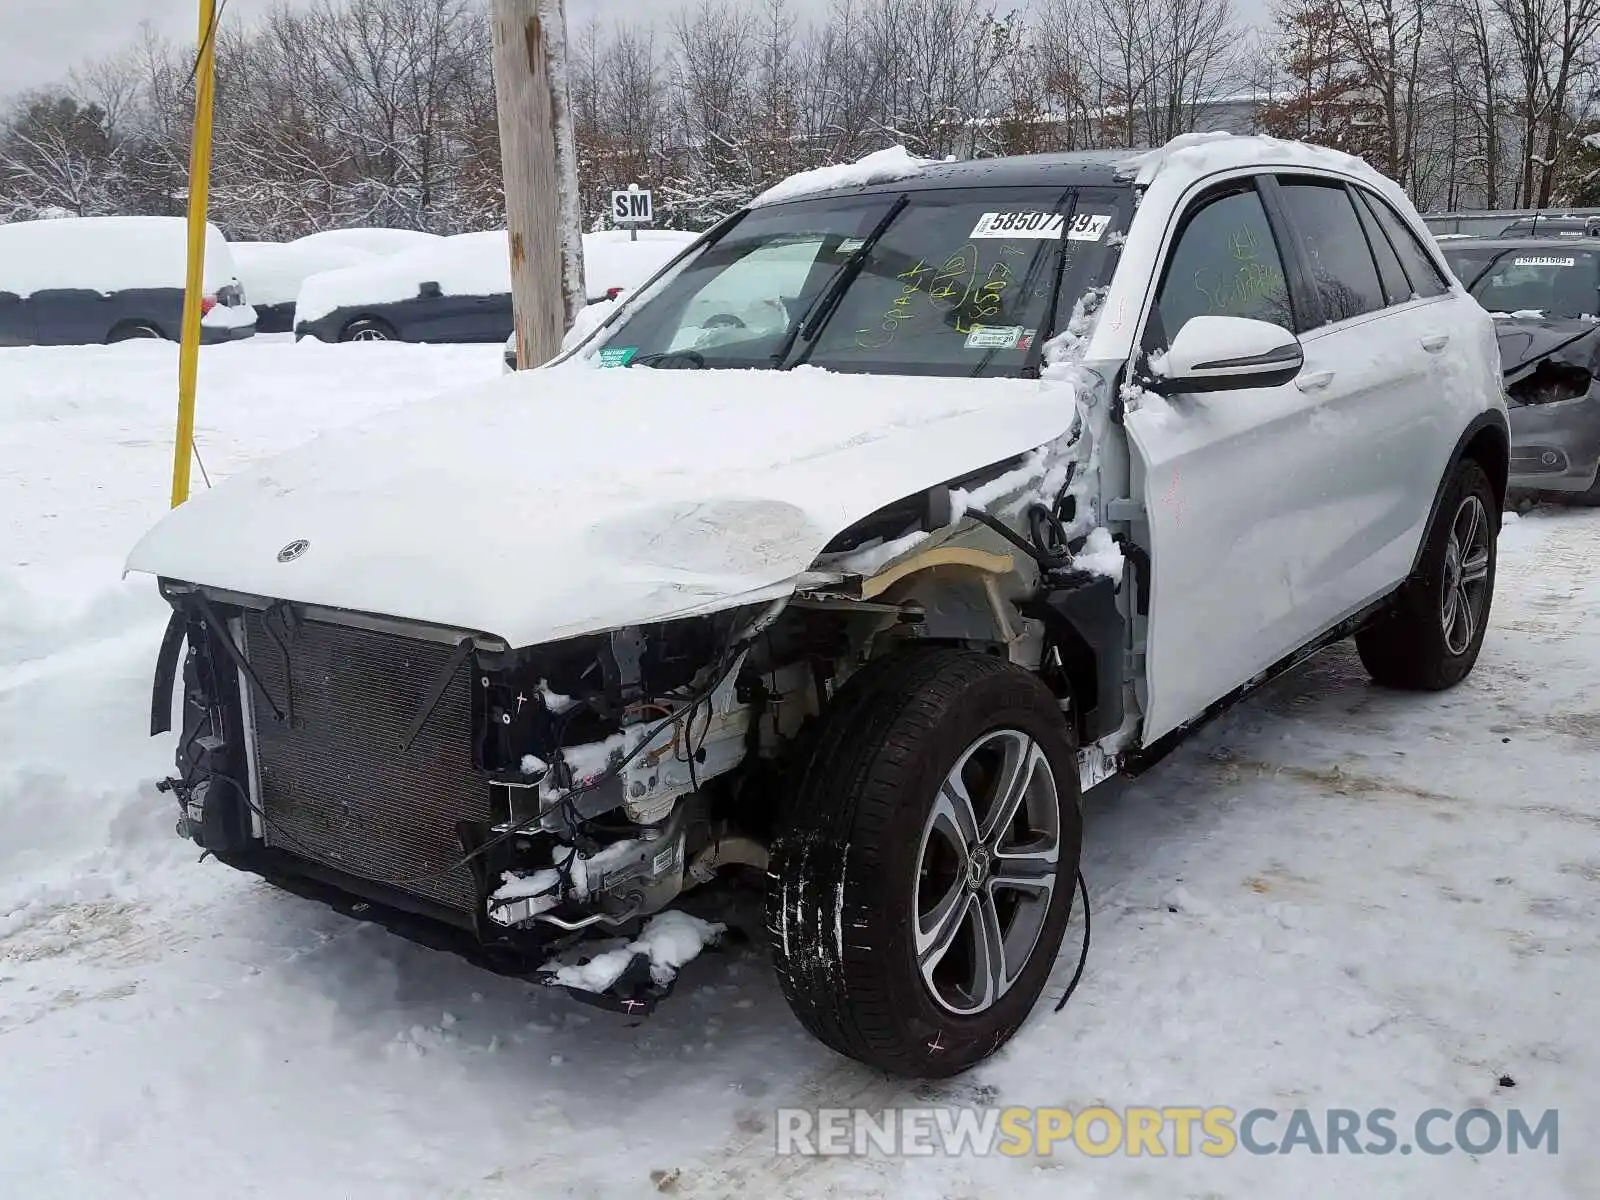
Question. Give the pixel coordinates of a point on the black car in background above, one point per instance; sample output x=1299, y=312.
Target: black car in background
x=1545, y=296
x=1552, y=225
x=90, y=280
x=459, y=290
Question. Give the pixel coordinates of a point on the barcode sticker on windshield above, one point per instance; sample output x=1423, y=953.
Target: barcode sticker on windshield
x=1088, y=227
x=1020, y=225
x=1545, y=260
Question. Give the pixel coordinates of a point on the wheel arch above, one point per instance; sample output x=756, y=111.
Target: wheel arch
x=1487, y=442
x=129, y=324
x=367, y=318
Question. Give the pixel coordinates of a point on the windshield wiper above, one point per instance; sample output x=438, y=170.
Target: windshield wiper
x=810, y=325
x=693, y=357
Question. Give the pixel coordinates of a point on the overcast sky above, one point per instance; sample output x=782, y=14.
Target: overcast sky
x=40, y=40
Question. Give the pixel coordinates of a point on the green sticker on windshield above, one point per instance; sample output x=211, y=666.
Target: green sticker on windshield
x=618, y=356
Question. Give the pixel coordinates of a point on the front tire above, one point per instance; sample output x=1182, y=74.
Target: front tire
x=1431, y=640
x=918, y=897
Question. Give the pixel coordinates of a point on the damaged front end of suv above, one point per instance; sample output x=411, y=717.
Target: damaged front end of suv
x=802, y=569
x=513, y=804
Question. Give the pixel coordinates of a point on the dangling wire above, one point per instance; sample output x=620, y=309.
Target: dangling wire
x=1083, y=955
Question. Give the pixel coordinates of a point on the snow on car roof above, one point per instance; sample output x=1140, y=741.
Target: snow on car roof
x=371, y=239
x=881, y=166
x=479, y=264
x=272, y=272
x=106, y=254
x=1192, y=155
x=1187, y=156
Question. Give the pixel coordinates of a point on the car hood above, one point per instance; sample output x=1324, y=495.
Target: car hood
x=573, y=499
x=1524, y=340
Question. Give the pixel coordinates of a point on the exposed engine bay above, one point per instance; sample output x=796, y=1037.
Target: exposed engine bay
x=533, y=798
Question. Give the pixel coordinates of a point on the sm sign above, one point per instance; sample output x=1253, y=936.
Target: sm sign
x=632, y=206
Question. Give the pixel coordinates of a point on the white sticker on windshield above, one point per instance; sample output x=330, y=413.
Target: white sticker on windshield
x=851, y=245
x=995, y=337
x=1088, y=227
x=1020, y=225
x=1544, y=260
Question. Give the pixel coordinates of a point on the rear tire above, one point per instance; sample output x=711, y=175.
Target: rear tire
x=887, y=898
x=368, y=329
x=1431, y=640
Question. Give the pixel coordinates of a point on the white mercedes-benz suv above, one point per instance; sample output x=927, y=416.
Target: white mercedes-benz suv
x=911, y=503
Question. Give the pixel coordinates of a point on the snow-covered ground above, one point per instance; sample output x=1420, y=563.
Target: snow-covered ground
x=1335, y=897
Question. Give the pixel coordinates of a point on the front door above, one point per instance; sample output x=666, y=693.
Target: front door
x=1245, y=512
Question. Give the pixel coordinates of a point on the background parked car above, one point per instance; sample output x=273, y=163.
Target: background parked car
x=460, y=289
x=273, y=273
x=1541, y=225
x=79, y=280
x=1545, y=295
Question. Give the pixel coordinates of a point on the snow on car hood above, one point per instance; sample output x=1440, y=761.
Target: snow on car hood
x=573, y=499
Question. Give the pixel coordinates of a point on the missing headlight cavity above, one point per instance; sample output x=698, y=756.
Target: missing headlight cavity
x=1550, y=382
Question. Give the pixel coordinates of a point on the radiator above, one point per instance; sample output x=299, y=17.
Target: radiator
x=336, y=788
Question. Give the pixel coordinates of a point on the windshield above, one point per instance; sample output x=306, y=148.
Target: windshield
x=956, y=282
x=1561, y=281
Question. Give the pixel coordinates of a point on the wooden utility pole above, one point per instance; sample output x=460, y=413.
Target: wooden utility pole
x=539, y=162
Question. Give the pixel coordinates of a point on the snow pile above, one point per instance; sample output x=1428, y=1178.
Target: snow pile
x=882, y=166
x=479, y=264
x=229, y=316
x=273, y=272
x=670, y=941
x=106, y=254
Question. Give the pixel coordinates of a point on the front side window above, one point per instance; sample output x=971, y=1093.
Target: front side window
x=954, y=282
x=1555, y=281
x=1342, y=268
x=1225, y=263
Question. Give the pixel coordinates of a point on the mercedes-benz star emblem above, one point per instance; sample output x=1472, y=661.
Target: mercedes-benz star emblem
x=293, y=550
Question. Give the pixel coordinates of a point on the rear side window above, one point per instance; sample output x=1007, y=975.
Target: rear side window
x=1342, y=268
x=1396, y=286
x=1426, y=279
x=1225, y=264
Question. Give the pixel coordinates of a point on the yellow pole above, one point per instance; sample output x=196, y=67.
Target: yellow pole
x=194, y=283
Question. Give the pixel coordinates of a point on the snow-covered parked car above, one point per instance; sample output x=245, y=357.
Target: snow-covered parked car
x=79, y=280
x=918, y=499
x=459, y=289
x=273, y=273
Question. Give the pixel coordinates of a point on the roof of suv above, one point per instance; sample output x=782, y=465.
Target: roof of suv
x=1195, y=154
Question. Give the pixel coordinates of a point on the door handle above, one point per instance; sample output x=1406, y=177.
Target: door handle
x=1315, y=381
x=1435, y=342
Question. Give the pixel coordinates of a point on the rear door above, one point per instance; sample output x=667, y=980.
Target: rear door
x=1376, y=365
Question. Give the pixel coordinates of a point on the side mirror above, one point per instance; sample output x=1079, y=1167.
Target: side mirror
x=429, y=291
x=1221, y=354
